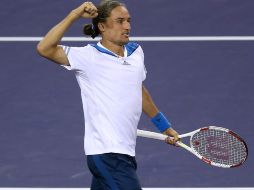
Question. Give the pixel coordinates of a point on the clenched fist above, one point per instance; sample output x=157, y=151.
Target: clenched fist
x=86, y=10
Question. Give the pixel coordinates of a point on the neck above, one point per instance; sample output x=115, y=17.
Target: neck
x=117, y=49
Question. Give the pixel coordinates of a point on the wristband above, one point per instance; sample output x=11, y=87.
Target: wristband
x=161, y=122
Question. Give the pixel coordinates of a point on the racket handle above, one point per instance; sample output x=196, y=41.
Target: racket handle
x=159, y=136
x=151, y=135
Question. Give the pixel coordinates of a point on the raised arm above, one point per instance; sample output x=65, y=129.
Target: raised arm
x=49, y=47
x=160, y=121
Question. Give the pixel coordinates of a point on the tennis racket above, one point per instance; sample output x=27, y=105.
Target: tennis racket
x=216, y=146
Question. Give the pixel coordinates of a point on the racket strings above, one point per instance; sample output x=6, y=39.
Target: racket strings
x=219, y=146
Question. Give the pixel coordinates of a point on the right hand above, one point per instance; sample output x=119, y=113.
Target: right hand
x=86, y=10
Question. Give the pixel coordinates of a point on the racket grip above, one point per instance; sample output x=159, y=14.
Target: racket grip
x=151, y=135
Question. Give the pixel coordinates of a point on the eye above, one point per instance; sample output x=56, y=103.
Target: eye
x=119, y=21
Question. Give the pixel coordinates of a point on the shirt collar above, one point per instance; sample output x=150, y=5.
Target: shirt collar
x=125, y=50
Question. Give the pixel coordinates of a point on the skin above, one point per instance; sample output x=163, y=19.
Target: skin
x=115, y=34
x=115, y=31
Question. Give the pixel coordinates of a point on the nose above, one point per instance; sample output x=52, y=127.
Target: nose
x=127, y=25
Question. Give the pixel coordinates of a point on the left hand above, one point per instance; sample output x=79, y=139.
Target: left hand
x=173, y=136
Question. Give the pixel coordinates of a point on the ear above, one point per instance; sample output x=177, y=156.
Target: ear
x=101, y=27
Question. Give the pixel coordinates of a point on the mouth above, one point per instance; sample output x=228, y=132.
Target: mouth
x=126, y=34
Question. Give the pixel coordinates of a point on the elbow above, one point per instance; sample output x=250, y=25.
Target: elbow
x=43, y=50
x=40, y=49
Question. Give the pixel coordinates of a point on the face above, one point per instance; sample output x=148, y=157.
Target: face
x=117, y=27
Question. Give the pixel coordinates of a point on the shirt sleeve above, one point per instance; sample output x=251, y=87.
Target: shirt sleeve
x=77, y=57
x=144, y=67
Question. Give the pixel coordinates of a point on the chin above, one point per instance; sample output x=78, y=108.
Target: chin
x=123, y=42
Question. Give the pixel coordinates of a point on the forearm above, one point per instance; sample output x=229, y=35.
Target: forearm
x=48, y=46
x=150, y=109
x=54, y=36
x=148, y=106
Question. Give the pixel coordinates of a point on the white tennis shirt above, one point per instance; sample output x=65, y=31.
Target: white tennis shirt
x=111, y=91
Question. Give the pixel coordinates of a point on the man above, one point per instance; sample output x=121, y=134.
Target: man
x=110, y=75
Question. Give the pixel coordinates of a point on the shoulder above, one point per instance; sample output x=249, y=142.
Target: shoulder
x=133, y=47
x=74, y=49
x=86, y=48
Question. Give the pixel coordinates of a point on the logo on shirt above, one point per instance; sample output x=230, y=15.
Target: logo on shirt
x=126, y=63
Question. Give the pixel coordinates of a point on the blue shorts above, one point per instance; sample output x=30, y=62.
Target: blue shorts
x=113, y=171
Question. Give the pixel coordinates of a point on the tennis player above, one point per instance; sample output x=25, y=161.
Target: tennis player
x=110, y=75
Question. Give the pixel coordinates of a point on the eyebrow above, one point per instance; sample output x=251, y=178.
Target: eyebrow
x=121, y=18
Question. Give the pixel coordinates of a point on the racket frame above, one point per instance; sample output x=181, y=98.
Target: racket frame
x=159, y=136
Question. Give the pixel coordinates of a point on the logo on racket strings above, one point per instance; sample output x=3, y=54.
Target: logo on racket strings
x=217, y=147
